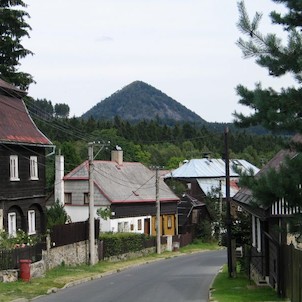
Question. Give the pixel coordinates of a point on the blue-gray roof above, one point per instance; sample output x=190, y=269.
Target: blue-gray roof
x=210, y=168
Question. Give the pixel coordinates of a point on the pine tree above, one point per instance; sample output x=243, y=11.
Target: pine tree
x=12, y=29
x=275, y=110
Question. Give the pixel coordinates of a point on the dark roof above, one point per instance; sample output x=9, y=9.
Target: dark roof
x=16, y=125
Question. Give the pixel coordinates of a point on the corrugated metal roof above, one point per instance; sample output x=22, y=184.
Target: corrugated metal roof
x=129, y=182
x=210, y=168
x=212, y=185
x=16, y=125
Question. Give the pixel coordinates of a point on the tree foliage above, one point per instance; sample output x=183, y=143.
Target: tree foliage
x=56, y=214
x=275, y=110
x=13, y=28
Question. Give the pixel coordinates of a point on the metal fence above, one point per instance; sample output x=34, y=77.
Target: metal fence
x=9, y=259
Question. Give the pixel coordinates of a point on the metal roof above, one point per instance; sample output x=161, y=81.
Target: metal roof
x=16, y=125
x=126, y=183
x=212, y=185
x=210, y=168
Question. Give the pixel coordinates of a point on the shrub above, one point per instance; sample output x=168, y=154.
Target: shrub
x=121, y=243
x=21, y=239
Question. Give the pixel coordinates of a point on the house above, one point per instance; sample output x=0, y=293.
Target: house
x=269, y=228
x=207, y=176
x=190, y=212
x=22, y=165
x=127, y=189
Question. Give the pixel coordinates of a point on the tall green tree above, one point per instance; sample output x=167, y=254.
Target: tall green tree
x=275, y=110
x=13, y=28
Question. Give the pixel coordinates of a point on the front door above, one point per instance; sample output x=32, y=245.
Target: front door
x=147, y=226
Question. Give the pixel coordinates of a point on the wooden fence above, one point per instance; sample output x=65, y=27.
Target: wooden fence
x=73, y=232
x=292, y=272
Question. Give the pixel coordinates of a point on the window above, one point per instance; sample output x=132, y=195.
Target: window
x=31, y=222
x=33, y=167
x=169, y=222
x=12, y=224
x=253, y=231
x=67, y=198
x=139, y=224
x=126, y=226
x=14, y=172
x=86, y=198
x=258, y=235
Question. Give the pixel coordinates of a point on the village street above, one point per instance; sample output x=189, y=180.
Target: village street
x=184, y=278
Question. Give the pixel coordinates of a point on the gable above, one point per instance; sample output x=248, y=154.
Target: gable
x=127, y=183
x=16, y=125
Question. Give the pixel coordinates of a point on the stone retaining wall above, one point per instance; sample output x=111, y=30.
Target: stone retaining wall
x=72, y=254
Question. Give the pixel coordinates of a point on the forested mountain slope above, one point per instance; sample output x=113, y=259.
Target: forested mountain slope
x=140, y=101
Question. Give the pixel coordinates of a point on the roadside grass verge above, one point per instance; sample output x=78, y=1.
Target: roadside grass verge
x=58, y=277
x=240, y=289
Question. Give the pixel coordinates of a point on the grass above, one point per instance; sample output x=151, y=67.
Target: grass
x=240, y=289
x=57, y=278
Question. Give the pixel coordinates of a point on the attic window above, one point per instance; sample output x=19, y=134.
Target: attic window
x=135, y=193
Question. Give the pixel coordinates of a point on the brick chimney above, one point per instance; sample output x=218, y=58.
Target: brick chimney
x=117, y=155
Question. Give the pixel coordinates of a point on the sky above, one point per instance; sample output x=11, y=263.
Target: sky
x=84, y=51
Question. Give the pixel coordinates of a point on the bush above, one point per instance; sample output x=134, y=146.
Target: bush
x=21, y=239
x=121, y=243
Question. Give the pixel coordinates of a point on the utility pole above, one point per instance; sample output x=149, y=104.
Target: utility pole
x=158, y=243
x=91, y=199
x=228, y=209
x=91, y=205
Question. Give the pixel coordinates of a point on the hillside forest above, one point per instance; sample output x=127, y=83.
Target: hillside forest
x=150, y=142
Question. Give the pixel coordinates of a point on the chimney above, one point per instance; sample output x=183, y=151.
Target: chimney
x=59, y=182
x=117, y=155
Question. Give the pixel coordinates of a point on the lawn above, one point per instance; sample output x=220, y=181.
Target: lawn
x=240, y=289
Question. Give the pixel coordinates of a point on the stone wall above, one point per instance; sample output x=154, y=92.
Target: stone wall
x=37, y=269
x=10, y=275
x=72, y=254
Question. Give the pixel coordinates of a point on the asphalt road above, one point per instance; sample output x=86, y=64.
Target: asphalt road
x=183, y=278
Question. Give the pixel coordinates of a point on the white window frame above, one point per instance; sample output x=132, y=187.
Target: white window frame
x=13, y=167
x=12, y=224
x=253, y=231
x=33, y=167
x=31, y=222
x=258, y=235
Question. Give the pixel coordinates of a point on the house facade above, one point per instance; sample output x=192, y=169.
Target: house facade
x=22, y=165
x=269, y=229
x=127, y=190
x=190, y=213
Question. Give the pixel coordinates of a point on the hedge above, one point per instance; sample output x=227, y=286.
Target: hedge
x=121, y=243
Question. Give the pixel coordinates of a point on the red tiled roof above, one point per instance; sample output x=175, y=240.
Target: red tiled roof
x=16, y=126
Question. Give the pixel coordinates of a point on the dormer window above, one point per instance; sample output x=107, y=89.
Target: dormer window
x=14, y=170
x=33, y=162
